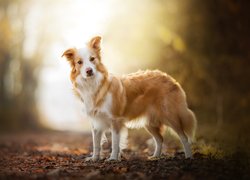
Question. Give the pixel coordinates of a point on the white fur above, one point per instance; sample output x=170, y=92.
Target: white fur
x=158, y=146
x=97, y=135
x=105, y=109
x=115, y=145
x=187, y=147
x=123, y=138
x=101, y=117
x=86, y=88
x=85, y=54
x=137, y=123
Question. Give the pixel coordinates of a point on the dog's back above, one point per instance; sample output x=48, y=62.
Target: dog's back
x=158, y=97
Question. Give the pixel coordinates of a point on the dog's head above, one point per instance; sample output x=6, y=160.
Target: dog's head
x=86, y=61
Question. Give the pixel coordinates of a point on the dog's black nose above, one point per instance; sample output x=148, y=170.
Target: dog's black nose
x=89, y=72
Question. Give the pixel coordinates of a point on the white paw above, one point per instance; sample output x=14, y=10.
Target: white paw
x=92, y=158
x=189, y=156
x=102, y=157
x=113, y=159
x=153, y=158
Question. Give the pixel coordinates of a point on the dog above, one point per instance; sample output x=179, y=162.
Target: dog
x=152, y=99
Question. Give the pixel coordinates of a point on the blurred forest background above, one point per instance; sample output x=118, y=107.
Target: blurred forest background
x=205, y=45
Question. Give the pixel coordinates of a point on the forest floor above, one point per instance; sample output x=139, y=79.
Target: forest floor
x=60, y=155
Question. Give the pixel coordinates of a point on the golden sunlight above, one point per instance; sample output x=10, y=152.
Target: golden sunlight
x=128, y=32
x=73, y=23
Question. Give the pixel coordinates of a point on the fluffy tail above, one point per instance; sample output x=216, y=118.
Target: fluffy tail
x=189, y=124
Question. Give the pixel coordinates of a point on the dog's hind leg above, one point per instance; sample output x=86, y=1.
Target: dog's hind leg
x=188, y=127
x=158, y=139
x=186, y=145
x=176, y=125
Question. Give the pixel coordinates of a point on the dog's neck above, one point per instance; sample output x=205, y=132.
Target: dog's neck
x=88, y=85
x=93, y=90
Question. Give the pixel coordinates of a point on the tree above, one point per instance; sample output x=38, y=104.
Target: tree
x=18, y=72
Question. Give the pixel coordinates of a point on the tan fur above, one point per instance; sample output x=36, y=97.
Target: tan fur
x=155, y=95
x=150, y=94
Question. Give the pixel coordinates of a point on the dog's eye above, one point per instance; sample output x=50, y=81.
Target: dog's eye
x=79, y=62
x=92, y=58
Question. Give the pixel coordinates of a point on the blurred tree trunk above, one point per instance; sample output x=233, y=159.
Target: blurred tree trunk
x=18, y=74
x=215, y=64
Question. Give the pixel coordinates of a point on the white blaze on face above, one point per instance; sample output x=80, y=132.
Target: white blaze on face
x=85, y=54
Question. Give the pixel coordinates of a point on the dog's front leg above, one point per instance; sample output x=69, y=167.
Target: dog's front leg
x=96, y=134
x=115, y=144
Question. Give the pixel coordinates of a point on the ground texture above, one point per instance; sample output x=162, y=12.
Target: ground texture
x=58, y=155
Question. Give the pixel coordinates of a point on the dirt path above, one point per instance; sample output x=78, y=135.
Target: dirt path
x=56, y=155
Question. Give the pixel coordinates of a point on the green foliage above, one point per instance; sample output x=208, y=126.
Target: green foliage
x=209, y=150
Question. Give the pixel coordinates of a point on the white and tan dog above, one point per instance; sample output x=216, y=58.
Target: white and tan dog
x=152, y=98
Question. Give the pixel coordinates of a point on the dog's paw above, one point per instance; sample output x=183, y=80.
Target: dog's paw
x=111, y=159
x=189, y=157
x=91, y=159
x=154, y=158
x=102, y=157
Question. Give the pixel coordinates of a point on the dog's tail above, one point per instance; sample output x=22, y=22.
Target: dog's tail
x=189, y=124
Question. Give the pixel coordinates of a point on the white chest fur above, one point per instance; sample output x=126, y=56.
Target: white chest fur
x=101, y=113
x=104, y=110
x=101, y=117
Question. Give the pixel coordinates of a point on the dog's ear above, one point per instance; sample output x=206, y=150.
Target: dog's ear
x=70, y=55
x=95, y=43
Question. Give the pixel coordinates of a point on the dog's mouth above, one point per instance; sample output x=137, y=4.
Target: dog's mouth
x=89, y=75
